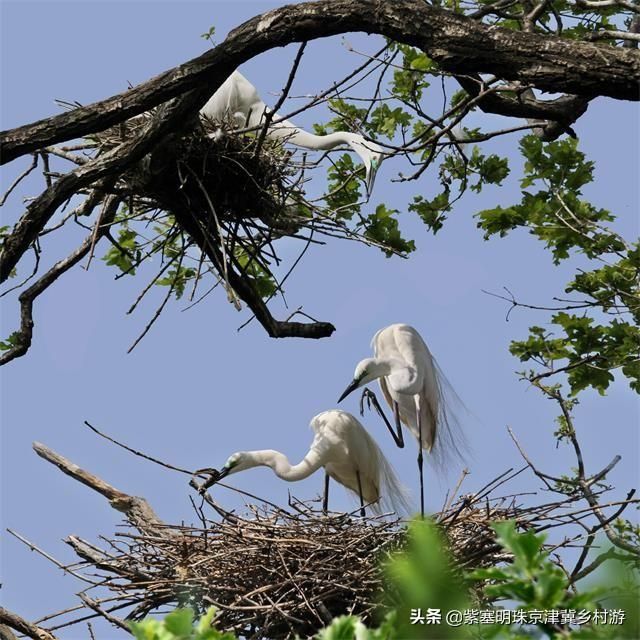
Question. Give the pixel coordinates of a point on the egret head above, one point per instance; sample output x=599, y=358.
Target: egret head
x=372, y=155
x=233, y=464
x=366, y=371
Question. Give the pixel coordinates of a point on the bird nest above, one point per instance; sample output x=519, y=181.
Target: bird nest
x=274, y=573
x=208, y=169
x=271, y=575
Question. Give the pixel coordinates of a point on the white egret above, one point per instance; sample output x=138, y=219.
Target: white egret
x=348, y=454
x=238, y=100
x=412, y=385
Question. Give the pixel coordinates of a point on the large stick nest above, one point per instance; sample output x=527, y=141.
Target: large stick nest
x=275, y=572
x=210, y=169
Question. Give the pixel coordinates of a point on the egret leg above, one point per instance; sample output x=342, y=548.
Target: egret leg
x=362, y=512
x=371, y=399
x=325, y=501
x=420, y=459
x=400, y=439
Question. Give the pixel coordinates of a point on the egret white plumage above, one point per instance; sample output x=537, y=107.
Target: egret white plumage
x=412, y=385
x=238, y=100
x=348, y=454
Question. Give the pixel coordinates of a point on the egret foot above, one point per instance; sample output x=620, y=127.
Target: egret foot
x=371, y=399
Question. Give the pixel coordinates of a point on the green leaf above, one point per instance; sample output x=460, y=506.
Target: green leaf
x=204, y=624
x=342, y=628
x=432, y=212
x=12, y=341
x=208, y=35
x=421, y=63
x=383, y=228
x=179, y=623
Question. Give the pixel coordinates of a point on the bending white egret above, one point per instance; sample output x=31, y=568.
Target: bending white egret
x=348, y=454
x=412, y=386
x=238, y=100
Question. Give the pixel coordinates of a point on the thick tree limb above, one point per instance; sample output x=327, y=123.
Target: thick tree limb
x=137, y=510
x=209, y=242
x=22, y=338
x=39, y=212
x=6, y=633
x=559, y=113
x=459, y=44
x=20, y=625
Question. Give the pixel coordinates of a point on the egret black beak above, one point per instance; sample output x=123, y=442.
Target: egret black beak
x=214, y=477
x=352, y=386
x=223, y=473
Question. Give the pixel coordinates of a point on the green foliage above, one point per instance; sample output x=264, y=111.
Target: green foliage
x=591, y=350
x=261, y=280
x=12, y=341
x=179, y=625
x=586, y=347
x=382, y=227
x=123, y=256
x=208, y=35
x=555, y=213
x=386, y=120
x=423, y=576
x=344, y=192
x=491, y=169
x=177, y=279
x=347, y=117
x=432, y=212
x=531, y=580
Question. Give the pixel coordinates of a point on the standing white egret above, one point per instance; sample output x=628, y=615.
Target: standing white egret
x=412, y=385
x=348, y=454
x=238, y=100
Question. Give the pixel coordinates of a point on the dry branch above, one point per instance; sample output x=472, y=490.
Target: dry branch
x=137, y=510
x=14, y=621
x=22, y=338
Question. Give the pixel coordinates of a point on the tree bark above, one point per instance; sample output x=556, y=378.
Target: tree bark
x=10, y=620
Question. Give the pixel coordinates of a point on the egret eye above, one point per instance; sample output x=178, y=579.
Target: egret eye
x=231, y=462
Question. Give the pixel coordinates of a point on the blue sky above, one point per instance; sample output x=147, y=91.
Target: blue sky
x=195, y=389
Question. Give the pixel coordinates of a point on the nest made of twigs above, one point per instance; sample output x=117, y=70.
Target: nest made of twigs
x=209, y=169
x=278, y=574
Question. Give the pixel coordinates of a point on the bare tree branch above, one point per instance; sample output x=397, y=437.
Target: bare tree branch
x=14, y=621
x=137, y=510
x=21, y=340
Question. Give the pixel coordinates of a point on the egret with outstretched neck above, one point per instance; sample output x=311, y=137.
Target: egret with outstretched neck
x=237, y=101
x=412, y=385
x=348, y=454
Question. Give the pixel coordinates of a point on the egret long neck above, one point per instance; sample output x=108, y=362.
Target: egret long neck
x=283, y=468
x=289, y=132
